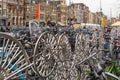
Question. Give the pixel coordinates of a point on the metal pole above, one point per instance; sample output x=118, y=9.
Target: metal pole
x=100, y=6
x=110, y=15
x=100, y=14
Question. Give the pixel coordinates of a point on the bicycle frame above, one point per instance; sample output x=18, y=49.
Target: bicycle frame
x=113, y=68
x=112, y=75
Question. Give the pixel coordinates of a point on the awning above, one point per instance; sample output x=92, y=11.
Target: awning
x=116, y=24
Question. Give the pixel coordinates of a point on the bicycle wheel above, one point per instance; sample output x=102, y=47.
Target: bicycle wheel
x=81, y=41
x=13, y=59
x=81, y=46
x=44, y=52
x=64, y=47
x=83, y=65
x=60, y=72
x=110, y=76
x=78, y=43
x=64, y=72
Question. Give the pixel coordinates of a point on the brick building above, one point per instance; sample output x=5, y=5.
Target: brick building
x=79, y=11
x=15, y=12
x=3, y=12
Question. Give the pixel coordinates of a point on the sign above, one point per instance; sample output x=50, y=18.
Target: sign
x=103, y=22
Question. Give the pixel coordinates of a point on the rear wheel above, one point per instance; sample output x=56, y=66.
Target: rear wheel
x=44, y=54
x=13, y=59
x=64, y=48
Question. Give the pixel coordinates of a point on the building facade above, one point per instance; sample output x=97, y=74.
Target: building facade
x=53, y=10
x=76, y=11
x=20, y=12
x=47, y=11
x=95, y=18
x=91, y=17
x=86, y=14
x=30, y=9
x=62, y=12
x=15, y=12
x=79, y=11
x=3, y=12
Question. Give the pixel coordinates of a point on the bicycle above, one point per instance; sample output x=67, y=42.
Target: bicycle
x=98, y=73
x=92, y=71
x=12, y=57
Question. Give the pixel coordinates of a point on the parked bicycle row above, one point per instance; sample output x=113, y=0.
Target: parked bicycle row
x=65, y=55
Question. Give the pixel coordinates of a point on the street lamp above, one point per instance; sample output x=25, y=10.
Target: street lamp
x=110, y=15
x=100, y=13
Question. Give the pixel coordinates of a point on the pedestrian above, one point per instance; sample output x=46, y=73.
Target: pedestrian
x=49, y=22
x=2, y=29
x=72, y=38
x=84, y=30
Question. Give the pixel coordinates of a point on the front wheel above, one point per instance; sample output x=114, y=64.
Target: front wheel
x=110, y=76
x=44, y=60
x=13, y=59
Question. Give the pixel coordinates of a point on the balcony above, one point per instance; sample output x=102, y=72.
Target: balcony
x=12, y=2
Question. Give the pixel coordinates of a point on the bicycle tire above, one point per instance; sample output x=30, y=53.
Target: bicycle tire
x=13, y=58
x=110, y=76
x=44, y=54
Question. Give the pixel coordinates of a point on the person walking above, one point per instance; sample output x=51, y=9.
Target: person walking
x=72, y=38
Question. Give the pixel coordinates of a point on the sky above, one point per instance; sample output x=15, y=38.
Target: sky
x=111, y=8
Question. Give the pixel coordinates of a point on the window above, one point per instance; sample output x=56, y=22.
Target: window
x=4, y=12
x=13, y=19
x=64, y=18
x=27, y=1
x=58, y=2
x=27, y=17
x=53, y=17
x=41, y=16
x=41, y=8
x=4, y=6
x=21, y=11
x=33, y=17
x=28, y=8
x=78, y=7
x=42, y=1
x=59, y=15
x=33, y=2
x=9, y=10
x=33, y=8
x=13, y=11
